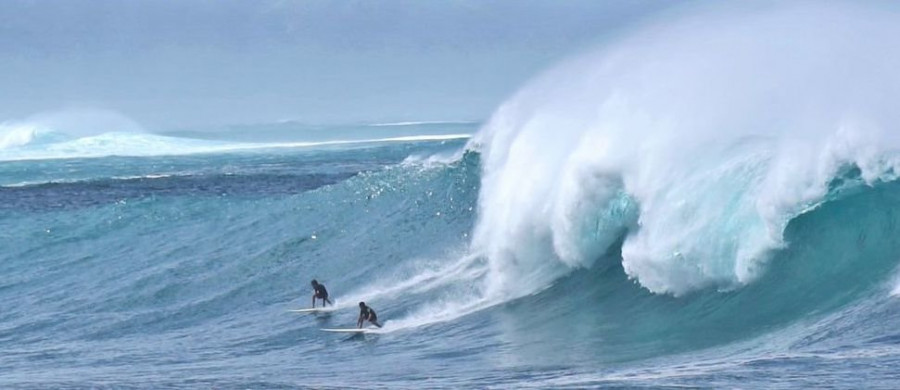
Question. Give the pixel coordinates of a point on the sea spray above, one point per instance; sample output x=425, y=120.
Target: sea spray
x=707, y=134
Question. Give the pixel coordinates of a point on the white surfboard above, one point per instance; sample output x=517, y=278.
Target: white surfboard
x=313, y=310
x=351, y=330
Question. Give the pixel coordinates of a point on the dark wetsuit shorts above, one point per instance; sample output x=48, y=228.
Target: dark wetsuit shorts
x=369, y=314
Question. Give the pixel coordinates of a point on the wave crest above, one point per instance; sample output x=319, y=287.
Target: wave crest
x=12, y=135
x=701, y=140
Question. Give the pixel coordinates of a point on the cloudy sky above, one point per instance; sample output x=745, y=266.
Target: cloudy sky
x=172, y=63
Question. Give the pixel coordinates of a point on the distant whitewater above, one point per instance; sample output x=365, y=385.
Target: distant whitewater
x=709, y=203
x=32, y=141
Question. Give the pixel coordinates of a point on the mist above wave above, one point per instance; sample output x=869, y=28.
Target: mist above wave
x=697, y=140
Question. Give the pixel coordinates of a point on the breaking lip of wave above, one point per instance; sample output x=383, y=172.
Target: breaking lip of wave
x=146, y=145
x=700, y=141
x=13, y=136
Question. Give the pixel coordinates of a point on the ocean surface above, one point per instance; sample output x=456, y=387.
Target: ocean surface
x=692, y=207
x=178, y=271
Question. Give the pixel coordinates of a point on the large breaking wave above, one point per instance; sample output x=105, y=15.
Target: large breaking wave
x=697, y=142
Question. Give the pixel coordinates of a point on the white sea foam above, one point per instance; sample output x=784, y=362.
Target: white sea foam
x=144, y=144
x=702, y=138
x=13, y=135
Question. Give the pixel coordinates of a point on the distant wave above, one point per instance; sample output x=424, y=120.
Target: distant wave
x=416, y=123
x=436, y=137
x=142, y=145
x=63, y=125
x=16, y=135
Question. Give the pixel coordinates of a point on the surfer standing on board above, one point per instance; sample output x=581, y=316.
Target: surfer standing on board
x=366, y=314
x=320, y=292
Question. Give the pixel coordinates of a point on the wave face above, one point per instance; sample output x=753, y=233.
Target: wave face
x=698, y=141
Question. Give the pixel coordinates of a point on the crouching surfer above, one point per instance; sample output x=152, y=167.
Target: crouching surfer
x=366, y=314
x=319, y=292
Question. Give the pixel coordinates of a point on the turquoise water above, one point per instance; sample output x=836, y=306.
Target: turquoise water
x=177, y=271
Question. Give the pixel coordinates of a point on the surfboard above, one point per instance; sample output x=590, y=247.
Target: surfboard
x=350, y=330
x=313, y=310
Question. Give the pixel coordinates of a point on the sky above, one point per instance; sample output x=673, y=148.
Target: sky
x=169, y=64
